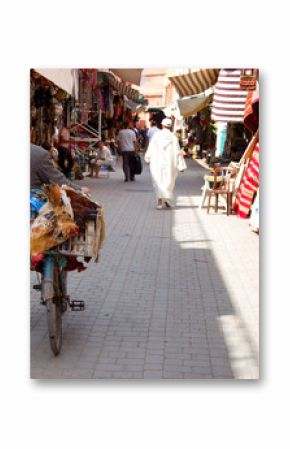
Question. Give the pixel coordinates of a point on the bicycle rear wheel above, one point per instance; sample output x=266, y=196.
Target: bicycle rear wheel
x=54, y=313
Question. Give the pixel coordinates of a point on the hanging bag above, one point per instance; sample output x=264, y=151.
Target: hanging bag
x=137, y=164
x=248, y=79
x=181, y=165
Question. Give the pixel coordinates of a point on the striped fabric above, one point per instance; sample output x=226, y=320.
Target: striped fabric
x=195, y=82
x=248, y=187
x=251, y=114
x=229, y=100
x=124, y=89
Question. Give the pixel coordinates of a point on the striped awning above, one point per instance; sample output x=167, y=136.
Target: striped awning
x=228, y=100
x=125, y=89
x=194, y=82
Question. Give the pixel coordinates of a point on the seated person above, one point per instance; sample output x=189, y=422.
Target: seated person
x=42, y=171
x=103, y=159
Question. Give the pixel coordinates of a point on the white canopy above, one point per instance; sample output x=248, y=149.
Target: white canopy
x=192, y=105
x=66, y=79
x=132, y=76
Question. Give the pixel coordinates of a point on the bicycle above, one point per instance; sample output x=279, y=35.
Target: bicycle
x=53, y=282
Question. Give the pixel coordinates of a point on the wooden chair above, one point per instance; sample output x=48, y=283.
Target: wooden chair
x=235, y=178
x=223, y=184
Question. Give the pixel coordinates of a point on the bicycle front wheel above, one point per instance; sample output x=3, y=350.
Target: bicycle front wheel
x=54, y=313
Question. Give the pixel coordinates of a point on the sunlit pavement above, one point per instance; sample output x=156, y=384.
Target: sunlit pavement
x=174, y=295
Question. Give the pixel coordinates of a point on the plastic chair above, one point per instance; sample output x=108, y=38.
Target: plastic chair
x=206, y=188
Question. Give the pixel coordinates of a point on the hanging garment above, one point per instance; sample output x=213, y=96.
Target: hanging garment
x=111, y=105
x=221, y=139
x=228, y=100
x=248, y=186
x=251, y=114
x=164, y=156
x=101, y=99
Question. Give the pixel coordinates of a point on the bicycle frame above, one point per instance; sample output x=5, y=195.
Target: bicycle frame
x=53, y=296
x=47, y=279
x=47, y=289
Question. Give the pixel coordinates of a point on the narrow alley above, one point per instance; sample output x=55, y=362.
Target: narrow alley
x=174, y=295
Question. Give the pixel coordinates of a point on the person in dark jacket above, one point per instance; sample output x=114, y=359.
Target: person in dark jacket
x=42, y=170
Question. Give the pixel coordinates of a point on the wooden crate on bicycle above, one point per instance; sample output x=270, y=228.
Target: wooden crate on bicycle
x=87, y=243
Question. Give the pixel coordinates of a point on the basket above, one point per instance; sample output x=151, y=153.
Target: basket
x=85, y=244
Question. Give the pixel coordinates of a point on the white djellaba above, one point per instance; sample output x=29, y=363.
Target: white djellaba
x=166, y=160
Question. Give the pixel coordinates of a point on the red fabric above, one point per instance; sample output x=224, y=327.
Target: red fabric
x=251, y=117
x=74, y=264
x=248, y=187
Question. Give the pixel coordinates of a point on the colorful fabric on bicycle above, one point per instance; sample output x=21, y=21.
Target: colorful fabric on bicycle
x=74, y=264
x=248, y=186
x=54, y=223
x=228, y=100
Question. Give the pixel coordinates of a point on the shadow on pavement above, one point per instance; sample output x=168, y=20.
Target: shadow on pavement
x=157, y=304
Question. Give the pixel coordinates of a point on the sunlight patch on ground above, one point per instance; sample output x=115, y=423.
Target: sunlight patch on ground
x=186, y=230
x=243, y=361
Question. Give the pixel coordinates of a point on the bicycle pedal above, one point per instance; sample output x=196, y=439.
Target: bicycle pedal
x=77, y=306
x=36, y=287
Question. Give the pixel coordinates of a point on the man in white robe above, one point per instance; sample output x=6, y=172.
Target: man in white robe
x=165, y=159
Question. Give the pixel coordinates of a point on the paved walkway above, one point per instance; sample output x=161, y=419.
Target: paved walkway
x=174, y=296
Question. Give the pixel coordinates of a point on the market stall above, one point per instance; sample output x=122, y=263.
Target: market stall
x=221, y=111
x=52, y=95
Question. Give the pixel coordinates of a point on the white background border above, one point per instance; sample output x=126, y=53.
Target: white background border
x=139, y=414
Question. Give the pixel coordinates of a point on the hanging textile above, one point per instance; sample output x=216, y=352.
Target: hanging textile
x=229, y=100
x=248, y=186
x=111, y=105
x=221, y=138
x=251, y=114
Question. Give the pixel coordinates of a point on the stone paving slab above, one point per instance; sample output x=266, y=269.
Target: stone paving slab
x=175, y=294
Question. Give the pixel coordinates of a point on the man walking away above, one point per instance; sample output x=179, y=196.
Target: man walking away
x=127, y=143
x=166, y=159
